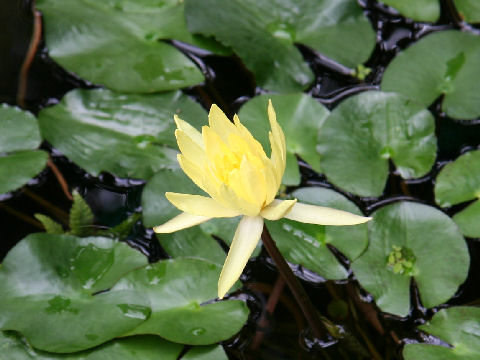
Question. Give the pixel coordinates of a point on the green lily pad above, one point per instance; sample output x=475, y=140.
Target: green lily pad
x=367, y=130
x=141, y=347
x=181, y=292
x=213, y=352
x=117, y=43
x=457, y=326
x=457, y=182
x=306, y=244
x=127, y=135
x=469, y=10
x=19, y=137
x=300, y=117
x=193, y=242
x=263, y=35
x=418, y=10
x=412, y=240
x=442, y=63
x=47, y=282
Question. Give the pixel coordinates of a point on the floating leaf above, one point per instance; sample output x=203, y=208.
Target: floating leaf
x=117, y=43
x=196, y=241
x=469, y=10
x=306, y=244
x=418, y=10
x=81, y=216
x=445, y=63
x=367, y=130
x=458, y=327
x=457, y=182
x=181, y=293
x=143, y=347
x=122, y=230
x=214, y=352
x=409, y=239
x=127, y=135
x=300, y=117
x=19, y=137
x=47, y=282
x=50, y=225
x=263, y=35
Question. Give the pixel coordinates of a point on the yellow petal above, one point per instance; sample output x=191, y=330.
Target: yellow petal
x=277, y=209
x=200, y=205
x=320, y=215
x=276, y=129
x=180, y=222
x=189, y=148
x=244, y=242
x=219, y=123
x=192, y=133
x=278, y=160
x=194, y=172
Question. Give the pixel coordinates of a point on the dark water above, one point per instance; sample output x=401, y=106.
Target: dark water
x=229, y=84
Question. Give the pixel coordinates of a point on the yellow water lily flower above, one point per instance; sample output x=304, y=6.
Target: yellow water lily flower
x=226, y=162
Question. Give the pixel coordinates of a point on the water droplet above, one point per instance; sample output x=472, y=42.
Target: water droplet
x=198, y=331
x=134, y=311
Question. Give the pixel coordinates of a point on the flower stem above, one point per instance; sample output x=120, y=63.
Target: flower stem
x=296, y=288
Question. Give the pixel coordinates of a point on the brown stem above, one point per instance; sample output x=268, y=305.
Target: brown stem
x=27, y=62
x=53, y=209
x=296, y=288
x=61, y=180
x=22, y=216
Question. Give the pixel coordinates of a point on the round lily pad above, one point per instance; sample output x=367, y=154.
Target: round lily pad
x=19, y=137
x=263, y=35
x=300, y=117
x=457, y=327
x=418, y=10
x=117, y=43
x=181, y=292
x=306, y=244
x=48, y=284
x=212, y=352
x=408, y=240
x=142, y=347
x=457, y=182
x=469, y=10
x=441, y=63
x=127, y=135
x=365, y=131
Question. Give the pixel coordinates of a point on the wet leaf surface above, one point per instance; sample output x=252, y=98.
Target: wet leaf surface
x=418, y=10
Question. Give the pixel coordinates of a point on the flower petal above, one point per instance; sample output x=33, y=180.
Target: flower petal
x=276, y=129
x=219, y=123
x=188, y=129
x=320, y=215
x=277, y=209
x=192, y=171
x=180, y=222
x=190, y=148
x=244, y=242
x=200, y=205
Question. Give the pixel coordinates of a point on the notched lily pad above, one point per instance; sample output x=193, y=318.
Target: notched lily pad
x=457, y=182
x=117, y=43
x=263, y=35
x=300, y=117
x=407, y=240
x=127, y=135
x=367, y=130
x=181, y=292
x=457, y=327
x=441, y=63
x=47, y=284
x=418, y=10
x=306, y=244
x=469, y=10
x=19, y=137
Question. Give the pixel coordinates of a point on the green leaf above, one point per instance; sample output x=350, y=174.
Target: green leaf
x=457, y=326
x=418, y=10
x=469, y=10
x=47, y=282
x=431, y=249
x=18, y=168
x=181, y=293
x=50, y=225
x=117, y=43
x=306, y=244
x=122, y=230
x=127, y=135
x=445, y=63
x=300, y=117
x=142, y=347
x=367, y=130
x=213, y=352
x=18, y=130
x=81, y=216
x=457, y=182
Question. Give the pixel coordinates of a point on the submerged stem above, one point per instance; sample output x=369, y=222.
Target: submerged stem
x=296, y=288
